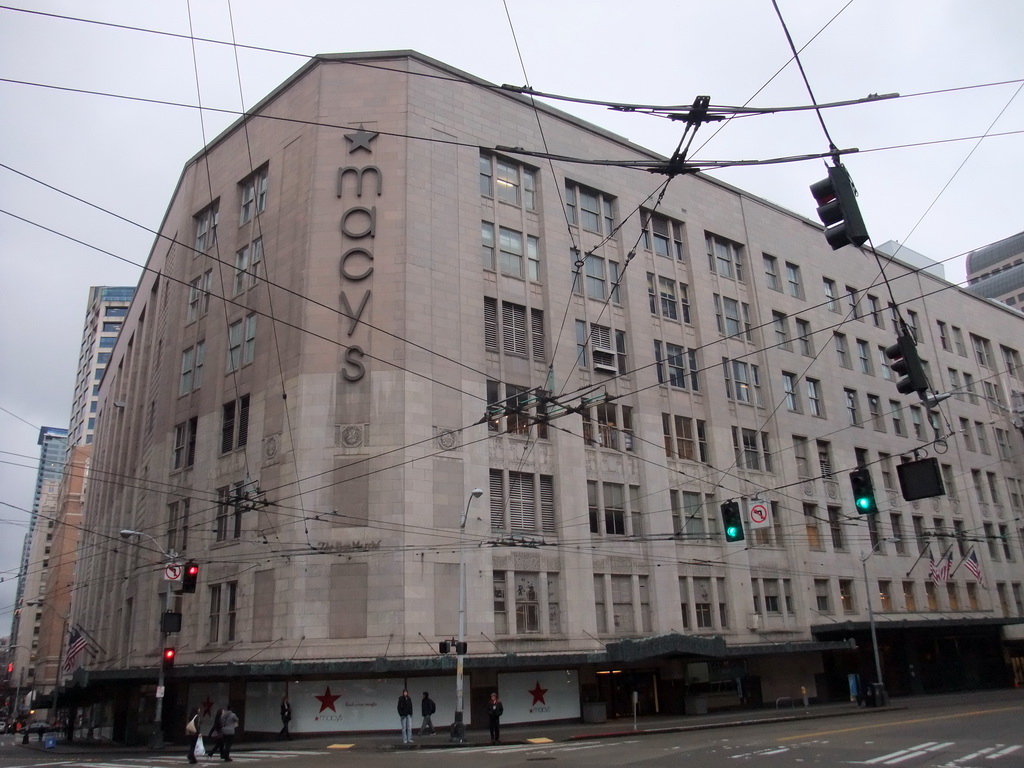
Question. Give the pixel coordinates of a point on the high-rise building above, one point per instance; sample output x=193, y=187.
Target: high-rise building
x=996, y=271
x=32, y=576
x=106, y=310
x=401, y=324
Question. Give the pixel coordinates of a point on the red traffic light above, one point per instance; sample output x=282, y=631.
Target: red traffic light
x=190, y=577
x=168, y=657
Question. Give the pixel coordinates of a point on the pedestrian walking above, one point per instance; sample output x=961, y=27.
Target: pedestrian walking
x=192, y=734
x=494, y=712
x=228, y=724
x=215, y=737
x=405, y=714
x=427, y=709
x=286, y=717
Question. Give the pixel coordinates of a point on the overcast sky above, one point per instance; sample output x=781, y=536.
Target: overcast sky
x=939, y=197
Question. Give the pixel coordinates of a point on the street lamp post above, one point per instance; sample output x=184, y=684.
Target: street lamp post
x=459, y=728
x=871, y=613
x=157, y=740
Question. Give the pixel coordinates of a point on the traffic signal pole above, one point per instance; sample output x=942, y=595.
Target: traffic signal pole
x=157, y=740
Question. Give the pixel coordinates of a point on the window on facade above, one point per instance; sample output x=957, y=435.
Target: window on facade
x=234, y=431
x=178, y=524
x=590, y=209
x=521, y=502
x=982, y=350
x=622, y=604
x=794, y=283
x=742, y=381
x=852, y=408
x=206, y=227
x=198, y=296
x=846, y=597
x=822, y=596
x=725, y=258
x=835, y=527
x=817, y=407
x=487, y=250
x=853, y=301
x=842, y=350
x=685, y=438
x=676, y=366
x=732, y=317
x=803, y=334
x=192, y=368
x=864, y=356
x=830, y=289
x=228, y=524
x=896, y=414
x=803, y=467
x=601, y=426
x=668, y=298
x=607, y=348
x=771, y=272
x=781, y=325
x=183, y=453
x=663, y=236
x=751, y=449
x=253, y=194
x=601, y=277
x=791, y=391
x=1012, y=362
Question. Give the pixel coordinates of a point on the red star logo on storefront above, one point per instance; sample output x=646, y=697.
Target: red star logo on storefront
x=327, y=700
x=538, y=694
x=207, y=706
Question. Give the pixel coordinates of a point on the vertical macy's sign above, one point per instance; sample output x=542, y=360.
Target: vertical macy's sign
x=358, y=229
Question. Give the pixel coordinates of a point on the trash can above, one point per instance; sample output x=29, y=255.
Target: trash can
x=49, y=740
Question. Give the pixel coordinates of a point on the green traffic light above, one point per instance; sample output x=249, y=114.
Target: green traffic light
x=731, y=531
x=864, y=503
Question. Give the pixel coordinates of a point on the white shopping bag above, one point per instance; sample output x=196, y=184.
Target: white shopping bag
x=200, y=750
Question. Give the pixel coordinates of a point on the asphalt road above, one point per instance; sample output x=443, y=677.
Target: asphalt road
x=937, y=732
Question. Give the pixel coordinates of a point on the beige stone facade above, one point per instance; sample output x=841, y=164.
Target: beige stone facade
x=409, y=272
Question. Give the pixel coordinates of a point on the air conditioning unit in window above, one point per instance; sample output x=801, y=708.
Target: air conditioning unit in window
x=604, y=360
x=754, y=621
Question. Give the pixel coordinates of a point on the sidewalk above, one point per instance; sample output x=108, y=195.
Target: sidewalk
x=511, y=734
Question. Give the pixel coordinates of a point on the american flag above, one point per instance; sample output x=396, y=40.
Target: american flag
x=76, y=644
x=972, y=565
x=931, y=565
x=940, y=571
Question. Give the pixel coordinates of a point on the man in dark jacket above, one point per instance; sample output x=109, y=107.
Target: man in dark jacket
x=494, y=712
x=427, y=708
x=405, y=714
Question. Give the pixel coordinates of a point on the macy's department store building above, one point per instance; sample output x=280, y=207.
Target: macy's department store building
x=359, y=309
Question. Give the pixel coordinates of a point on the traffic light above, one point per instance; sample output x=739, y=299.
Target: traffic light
x=863, y=491
x=444, y=647
x=190, y=576
x=732, y=521
x=838, y=209
x=167, y=659
x=907, y=363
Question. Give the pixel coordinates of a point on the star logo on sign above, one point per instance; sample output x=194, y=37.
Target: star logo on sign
x=361, y=139
x=538, y=694
x=327, y=700
x=207, y=705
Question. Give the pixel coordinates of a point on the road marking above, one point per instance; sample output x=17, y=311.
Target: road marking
x=899, y=722
x=761, y=753
x=891, y=757
x=1003, y=752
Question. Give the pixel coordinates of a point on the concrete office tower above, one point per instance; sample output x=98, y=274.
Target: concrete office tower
x=363, y=305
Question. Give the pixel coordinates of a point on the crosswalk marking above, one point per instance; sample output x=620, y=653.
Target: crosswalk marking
x=247, y=756
x=930, y=747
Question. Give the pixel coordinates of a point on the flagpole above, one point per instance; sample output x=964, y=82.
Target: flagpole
x=919, y=556
x=962, y=560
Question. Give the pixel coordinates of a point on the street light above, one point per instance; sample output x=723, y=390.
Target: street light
x=871, y=613
x=157, y=739
x=459, y=728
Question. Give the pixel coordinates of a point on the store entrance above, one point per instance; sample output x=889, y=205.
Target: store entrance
x=616, y=687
